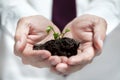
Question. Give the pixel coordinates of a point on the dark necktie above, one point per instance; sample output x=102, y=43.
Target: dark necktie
x=63, y=12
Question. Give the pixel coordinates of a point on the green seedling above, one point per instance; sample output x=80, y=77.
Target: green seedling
x=55, y=34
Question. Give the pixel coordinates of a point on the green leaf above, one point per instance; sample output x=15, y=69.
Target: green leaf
x=56, y=35
x=49, y=28
x=67, y=30
x=62, y=34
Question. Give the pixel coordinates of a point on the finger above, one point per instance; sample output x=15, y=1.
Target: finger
x=53, y=69
x=72, y=69
x=34, y=57
x=20, y=45
x=54, y=60
x=39, y=55
x=81, y=30
x=84, y=58
x=42, y=64
x=98, y=44
x=64, y=59
x=21, y=36
x=61, y=67
x=99, y=34
x=22, y=29
x=74, y=60
x=33, y=39
x=43, y=54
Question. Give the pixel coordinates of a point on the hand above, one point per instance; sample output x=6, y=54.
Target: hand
x=90, y=31
x=32, y=30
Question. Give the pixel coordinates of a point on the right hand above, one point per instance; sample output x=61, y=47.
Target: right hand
x=90, y=31
x=32, y=30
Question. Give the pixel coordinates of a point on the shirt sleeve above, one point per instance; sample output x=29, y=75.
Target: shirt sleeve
x=107, y=9
x=11, y=11
x=19, y=7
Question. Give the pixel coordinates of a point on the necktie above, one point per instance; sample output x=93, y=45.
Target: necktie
x=63, y=12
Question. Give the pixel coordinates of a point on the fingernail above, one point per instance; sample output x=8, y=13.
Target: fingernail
x=18, y=46
x=18, y=43
x=100, y=42
x=53, y=62
x=44, y=56
x=62, y=67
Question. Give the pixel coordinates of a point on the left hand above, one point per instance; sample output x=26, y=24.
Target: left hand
x=90, y=31
x=31, y=30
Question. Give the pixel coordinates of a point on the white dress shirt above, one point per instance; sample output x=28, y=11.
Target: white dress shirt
x=104, y=67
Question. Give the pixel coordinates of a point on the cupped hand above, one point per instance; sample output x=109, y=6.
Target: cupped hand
x=90, y=31
x=30, y=31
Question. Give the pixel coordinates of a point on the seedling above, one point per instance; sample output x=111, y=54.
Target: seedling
x=60, y=46
x=55, y=34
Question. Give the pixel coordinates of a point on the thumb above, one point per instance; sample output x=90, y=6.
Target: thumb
x=99, y=36
x=98, y=43
x=20, y=45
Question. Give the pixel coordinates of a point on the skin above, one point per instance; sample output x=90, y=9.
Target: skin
x=32, y=30
x=90, y=30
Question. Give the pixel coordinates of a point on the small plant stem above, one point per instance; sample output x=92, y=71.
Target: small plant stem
x=55, y=34
x=62, y=35
x=53, y=30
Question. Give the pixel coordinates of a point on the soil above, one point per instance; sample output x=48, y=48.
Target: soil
x=61, y=47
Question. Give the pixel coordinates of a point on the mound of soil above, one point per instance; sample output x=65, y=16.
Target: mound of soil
x=61, y=47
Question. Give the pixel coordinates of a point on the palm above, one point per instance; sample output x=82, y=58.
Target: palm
x=90, y=31
x=86, y=51
x=84, y=34
x=32, y=30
